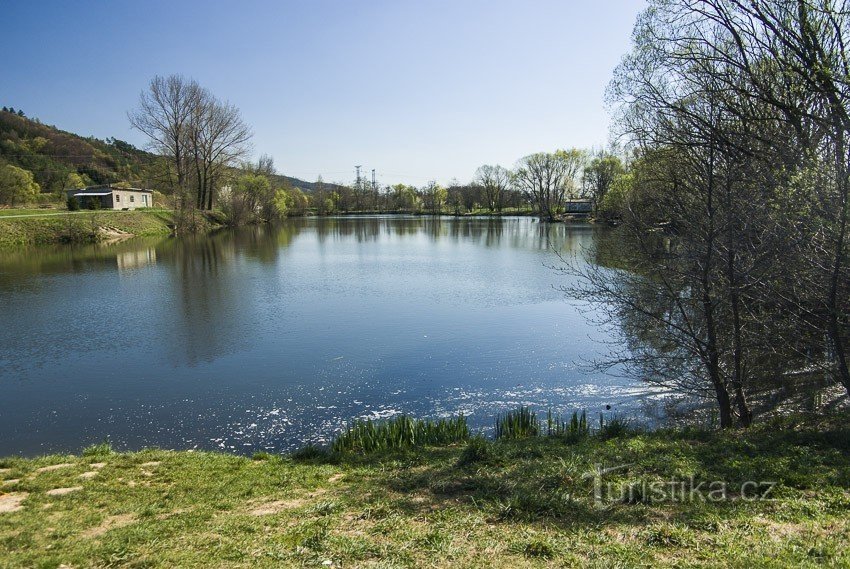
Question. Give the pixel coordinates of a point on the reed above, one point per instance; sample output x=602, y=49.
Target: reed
x=399, y=433
x=517, y=424
x=576, y=426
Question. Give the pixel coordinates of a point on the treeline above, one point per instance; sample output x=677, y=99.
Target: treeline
x=542, y=183
x=734, y=242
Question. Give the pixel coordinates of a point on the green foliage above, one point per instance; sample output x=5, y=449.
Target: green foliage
x=400, y=433
x=615, y=202
x=55, y=156
x=282, y=202
x=517, y=424
x=73, y=203
x=17, y=185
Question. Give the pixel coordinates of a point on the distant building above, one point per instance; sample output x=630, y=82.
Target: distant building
x=578, y=207
x=109, y=196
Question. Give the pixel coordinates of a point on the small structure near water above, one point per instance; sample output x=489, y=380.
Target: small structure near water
x=578, y=208
x=111, y=196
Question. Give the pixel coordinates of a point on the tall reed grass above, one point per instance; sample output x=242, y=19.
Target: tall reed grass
x=517, y=424
x=399, y=433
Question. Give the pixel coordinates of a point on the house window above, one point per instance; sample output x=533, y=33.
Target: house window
x=118, y=197
x=132, y=199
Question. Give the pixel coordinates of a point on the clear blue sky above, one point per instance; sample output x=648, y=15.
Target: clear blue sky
x=418, y=90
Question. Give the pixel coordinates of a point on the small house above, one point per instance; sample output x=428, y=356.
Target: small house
x=110, y=196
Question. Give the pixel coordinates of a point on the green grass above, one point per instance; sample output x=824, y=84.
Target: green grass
x=30, y=211
x=80, y=226
x=521, y=503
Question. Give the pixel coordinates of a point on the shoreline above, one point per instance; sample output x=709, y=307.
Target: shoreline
x=513, y=503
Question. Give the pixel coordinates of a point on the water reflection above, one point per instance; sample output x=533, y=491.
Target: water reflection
x=273, y=335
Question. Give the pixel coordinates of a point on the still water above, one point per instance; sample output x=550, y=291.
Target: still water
x=271, y=337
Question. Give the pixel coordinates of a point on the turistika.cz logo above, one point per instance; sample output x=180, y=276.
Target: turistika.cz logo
x=608, y=492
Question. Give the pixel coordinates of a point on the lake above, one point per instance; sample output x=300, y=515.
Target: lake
x=271, y=337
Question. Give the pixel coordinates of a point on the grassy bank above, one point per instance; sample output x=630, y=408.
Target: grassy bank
x=525, y=502
x=81, y=227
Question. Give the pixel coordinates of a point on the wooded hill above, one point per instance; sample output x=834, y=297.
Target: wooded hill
x=55, y=156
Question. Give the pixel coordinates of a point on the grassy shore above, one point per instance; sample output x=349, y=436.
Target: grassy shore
x=527, y=502
x=50, y=226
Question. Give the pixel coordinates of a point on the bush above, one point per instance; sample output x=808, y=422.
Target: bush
x=73, y=203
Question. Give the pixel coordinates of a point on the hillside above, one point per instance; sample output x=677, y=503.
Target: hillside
x=54, y=156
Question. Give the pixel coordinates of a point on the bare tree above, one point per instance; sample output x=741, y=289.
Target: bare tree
x=218, y=139
x=164, y=114
x=200, y=135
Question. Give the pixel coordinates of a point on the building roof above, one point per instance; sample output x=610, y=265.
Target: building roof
x=109, y=189
x=89, y=194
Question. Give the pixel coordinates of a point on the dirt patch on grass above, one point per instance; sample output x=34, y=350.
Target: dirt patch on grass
x=12, y=502
x=88, y=475
x=11, y=481
x=53, y=467
x=63, y=491
x=110, y=523
x=97, y=465
x=336, y=477
x=152, y=463
x=271, y=508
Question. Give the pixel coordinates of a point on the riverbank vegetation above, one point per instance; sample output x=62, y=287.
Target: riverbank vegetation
x=627, y=499
x=733, y=280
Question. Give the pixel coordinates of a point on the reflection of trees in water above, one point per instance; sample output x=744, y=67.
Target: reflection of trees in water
x=518, y=233
x=214, y=305
x=661, y=322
